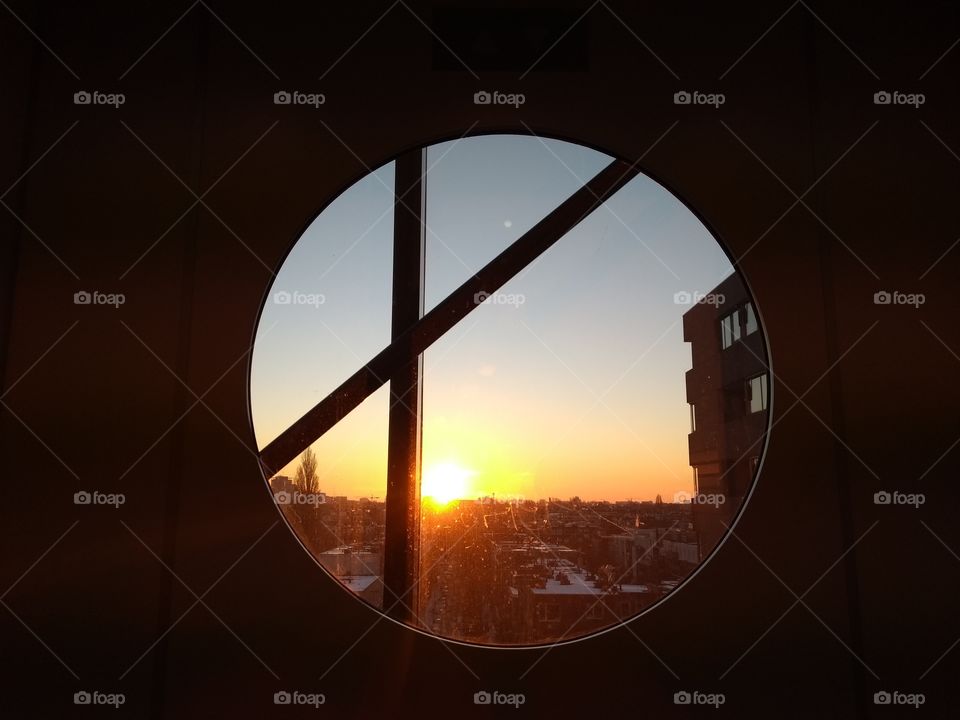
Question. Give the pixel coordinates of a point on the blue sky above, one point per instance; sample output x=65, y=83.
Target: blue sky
x=515, y=393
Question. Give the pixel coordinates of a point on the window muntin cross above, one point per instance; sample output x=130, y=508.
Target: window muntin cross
x=412, y=332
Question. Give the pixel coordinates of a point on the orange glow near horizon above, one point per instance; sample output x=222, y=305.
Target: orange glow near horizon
x=516, y=455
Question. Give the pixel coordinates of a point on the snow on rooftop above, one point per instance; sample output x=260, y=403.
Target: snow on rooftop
x=358, y=583
x=576, y=587
x=347, y=550
x=579, y=585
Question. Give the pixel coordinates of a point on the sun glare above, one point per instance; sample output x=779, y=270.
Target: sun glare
x=445, y=482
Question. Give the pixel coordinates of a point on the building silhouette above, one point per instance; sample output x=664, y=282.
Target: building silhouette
x=728, y=392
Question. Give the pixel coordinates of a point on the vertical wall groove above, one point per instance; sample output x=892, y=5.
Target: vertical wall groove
x=177, y=460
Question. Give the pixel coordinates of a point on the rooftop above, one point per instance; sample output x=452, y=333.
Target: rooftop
x=579, y=585
x=359, y=583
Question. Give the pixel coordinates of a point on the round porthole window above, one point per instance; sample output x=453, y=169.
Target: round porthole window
x=509, y=390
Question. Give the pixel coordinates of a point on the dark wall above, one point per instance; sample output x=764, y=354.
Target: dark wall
x=106, y=399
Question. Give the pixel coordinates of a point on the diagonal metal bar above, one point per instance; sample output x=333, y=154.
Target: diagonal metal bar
x=405, y=348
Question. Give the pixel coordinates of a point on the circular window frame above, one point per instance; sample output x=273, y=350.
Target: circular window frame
x=528, y=131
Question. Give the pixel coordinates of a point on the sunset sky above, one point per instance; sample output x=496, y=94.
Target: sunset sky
x=579, y=390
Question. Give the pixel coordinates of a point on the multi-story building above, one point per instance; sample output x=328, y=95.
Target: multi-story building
x=571, y=601
x=628, y=550
x=728, y=393
x=281, y=483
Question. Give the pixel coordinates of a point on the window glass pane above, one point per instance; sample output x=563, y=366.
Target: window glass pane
x=482, y=198
x=551, y=480
x=337, y=509
x=751, y=321
x=328, y=311
x=757, y=393
x=555, y=499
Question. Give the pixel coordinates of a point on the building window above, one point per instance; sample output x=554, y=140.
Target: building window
x=730, y=329
x=742, y=321
x=548, y=612
x=726, y=331
x=757, y=393
x=750, y=320
x=693, y=418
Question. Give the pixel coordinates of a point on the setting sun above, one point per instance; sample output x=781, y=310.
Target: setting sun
x=444, y=482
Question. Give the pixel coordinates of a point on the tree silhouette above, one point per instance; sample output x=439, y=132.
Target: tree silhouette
x=308, y=516
x=306, y=479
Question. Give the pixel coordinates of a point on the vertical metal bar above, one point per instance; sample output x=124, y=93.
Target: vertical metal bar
x=401, y=542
